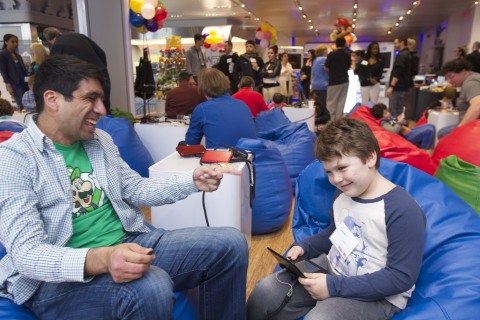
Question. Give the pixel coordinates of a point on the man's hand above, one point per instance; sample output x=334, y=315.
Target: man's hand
x=316, y=285
x=389, y=92
x=10, y=89
x=207, y=178
x=125, y=262
x=295, y=252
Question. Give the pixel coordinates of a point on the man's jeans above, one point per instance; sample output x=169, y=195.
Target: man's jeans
x=215, y=259
x=396, y=103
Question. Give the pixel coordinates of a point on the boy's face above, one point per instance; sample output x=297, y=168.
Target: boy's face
x=349, y=174
x=386, y=115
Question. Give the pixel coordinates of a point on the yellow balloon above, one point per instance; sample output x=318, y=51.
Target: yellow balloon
x=136, y=5
x=213, y=33
x=142, y=29
x=265, y=26
x=217, y=40
x=209, y=40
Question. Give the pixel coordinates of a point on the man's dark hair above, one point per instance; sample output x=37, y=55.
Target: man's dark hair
x=402, y=39
x=456, y=66
x=246, y=82
x=347, y=136
x=62, y=73
x=229, y=43
x=377, y=110
x=184, y=76
x=278, y=98
x=360, y=53
x=51, y=33
x=250, y=42
x=197, y=37
x=340, y=42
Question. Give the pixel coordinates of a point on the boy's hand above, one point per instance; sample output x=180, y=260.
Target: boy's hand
x=295, y=252
x=316, y=285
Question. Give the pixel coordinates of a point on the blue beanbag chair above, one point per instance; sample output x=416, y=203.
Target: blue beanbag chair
x=296, y=144
x=11, y=125
x=182, y=310
x=448, y=286
x=129, y=144
x=273, y=191
x=271, y=119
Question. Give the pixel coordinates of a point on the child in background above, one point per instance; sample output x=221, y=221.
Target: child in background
x=423, y=136
x=7, y=123
x=277, y=101
x=28, y=100
x=322, y=116
x=372, y=266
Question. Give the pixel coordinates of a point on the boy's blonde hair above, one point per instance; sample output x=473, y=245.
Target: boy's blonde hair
x=348, y=137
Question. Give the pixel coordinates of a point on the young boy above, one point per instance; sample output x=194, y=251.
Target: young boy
x=423, y=136
x=372, y=265
x=277, y=101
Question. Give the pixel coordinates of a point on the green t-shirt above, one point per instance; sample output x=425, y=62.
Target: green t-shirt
x=95, y=222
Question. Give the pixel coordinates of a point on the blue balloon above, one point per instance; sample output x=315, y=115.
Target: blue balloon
x=152, y=25
x=136, y=19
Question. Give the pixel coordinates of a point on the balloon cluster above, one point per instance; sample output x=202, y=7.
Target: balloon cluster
x=212, y=41
x=147, y=15
x=266, y=35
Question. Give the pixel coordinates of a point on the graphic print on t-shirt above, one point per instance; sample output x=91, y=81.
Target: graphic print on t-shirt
x=86, y=193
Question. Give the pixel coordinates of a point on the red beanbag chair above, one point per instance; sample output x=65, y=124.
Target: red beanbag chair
x=462, y=142
x=422, y=120
x=394, y=146
x=5, y=135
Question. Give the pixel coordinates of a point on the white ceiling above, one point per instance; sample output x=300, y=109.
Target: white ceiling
x=375, y=17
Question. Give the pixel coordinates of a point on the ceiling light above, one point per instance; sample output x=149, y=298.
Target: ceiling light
x=476, y=2
x=353, y=26
x=354, y=19
x=304, y=17
x=415, y=3
x=355, y=6
x=401, y=18
x=243, y=6
x=409, y=11
x=311, y=27
x=309, y=20
x=389, y=32
x=300, y=8
x=397, y=24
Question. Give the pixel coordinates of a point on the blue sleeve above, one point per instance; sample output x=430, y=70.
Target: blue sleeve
x=194, y=133
x=405, y=223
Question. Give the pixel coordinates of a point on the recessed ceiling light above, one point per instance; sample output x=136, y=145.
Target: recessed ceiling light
x=300, y=8
x=409, y=11
x=401, y=18
x=353, y=25
x=310, y=20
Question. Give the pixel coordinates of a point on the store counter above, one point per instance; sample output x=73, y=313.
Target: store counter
x=306, y=115
x=229, y=205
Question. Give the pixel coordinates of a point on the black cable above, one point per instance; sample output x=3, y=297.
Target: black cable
x=205, y=209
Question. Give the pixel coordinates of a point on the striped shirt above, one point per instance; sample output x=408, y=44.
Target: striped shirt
x=36, y=206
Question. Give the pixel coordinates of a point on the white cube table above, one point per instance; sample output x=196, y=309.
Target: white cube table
x=161, y=139
x=442, y=119
x=229, y=205
x=301, y=115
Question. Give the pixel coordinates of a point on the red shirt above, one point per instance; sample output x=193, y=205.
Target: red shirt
x=252, y=99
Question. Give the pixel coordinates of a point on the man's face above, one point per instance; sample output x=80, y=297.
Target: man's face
x=200, y=42
x=192, y=82
x=396, y=44
x=351, y=175
x=456, y=79
x=249, y=48
x=228, y=48
x=76, y=119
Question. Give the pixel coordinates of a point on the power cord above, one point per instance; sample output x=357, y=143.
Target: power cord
x=205, y=209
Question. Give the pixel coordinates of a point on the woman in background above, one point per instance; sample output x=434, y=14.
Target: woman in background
x=370, y=71
x=306, y=72
x=285, y=79
x=270, y=74
x=13, y=69
x=459, y=53
x=39, y=54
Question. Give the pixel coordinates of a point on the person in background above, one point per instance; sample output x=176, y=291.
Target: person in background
x=285, y=79
x=371, y=266
x=423, y=136
x=78, y=246
x=459, y=74
x=320, y=76
x=13, y=69
x=250, y=97
x=227, y=64
x=337, y=65
x=459, y=53
x=82, y=47
x=357, y=57
x=277, y=101
x=322, y=116
x=474, y=56
x=306, y=72
x=39, y=54
x=249, y=64
x=28, y=100
x=6, y=120
x=400, y=77
x=184, y=98
x=222, y=119
x=194, y=58
x=370, y=72
x=270, y=74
